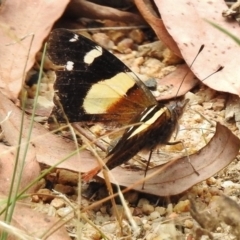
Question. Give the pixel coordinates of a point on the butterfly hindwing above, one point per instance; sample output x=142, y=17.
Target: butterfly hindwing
x=92, y=84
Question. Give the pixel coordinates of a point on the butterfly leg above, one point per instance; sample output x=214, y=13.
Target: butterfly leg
x=173, y=143
x=148, y=162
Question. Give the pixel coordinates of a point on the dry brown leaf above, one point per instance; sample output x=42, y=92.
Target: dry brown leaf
x=49, y=148
x=36, y=224
x=182, y=75
x=7, y=161
x=157, y=25
x=185, y=22
x=18, y=20
x=87, y=9
x=177, y=176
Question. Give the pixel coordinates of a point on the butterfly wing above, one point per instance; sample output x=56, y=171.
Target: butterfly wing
x=92, y=84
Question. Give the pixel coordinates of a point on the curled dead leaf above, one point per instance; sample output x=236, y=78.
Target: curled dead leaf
x=97, y=11
x=157, y=25
x=177, y=176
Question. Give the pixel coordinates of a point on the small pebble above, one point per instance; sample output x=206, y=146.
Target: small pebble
x=113, y=228
x=147, y=209
x=151, y=236
x=66, y=177
x=188, y=223
x=66, y=211
x=161, y=210
x=138, y=220
x=182, y=206
x=103, y=209
x=137, y=36
x=35, y=198
x=103, y=40
x=41, y=183
x=68, y=190
x=51, y=177
x=211, y=181
x=138, y=61
x=116, y=36
x=137, y=211
x=125, y=45
x=154, y=215
x=142, y=201
x=219, y=104
x=169, y=209
x=207, y=105
x=121, y=211
x=151, y=84
x=147, y=227
x=45, y=195
x=163, y=236
x=170, y=58
x=131, y=197
x=51, y=211
x=89, y=232
x=57, y=203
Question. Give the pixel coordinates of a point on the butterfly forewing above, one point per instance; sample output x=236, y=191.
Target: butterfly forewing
x=92, y=84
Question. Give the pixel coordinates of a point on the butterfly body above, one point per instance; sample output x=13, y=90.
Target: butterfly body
x=157, y=123
x=94, y=86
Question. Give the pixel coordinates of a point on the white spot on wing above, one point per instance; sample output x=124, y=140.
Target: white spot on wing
x=148, y=112
x=74, y=39
x=69, y=65
x=91, y=55
x=146, y=124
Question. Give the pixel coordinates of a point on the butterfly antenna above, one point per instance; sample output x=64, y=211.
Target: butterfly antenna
x=199, y=51
x=218, y=70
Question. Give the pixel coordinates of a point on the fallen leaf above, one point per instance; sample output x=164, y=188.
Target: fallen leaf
x=157, y=25
x=177, y=176
x=16, y=34
x=49, y=148
x=36, y=224
x=92, y=10
x=30, y=172
x=177, y=83
x=220, y=50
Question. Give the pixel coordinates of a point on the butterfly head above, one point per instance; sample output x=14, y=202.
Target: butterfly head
x=177, y=109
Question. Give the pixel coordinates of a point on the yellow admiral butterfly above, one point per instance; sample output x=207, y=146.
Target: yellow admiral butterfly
x=93, y=85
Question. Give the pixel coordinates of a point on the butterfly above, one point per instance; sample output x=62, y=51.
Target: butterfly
x=92, y=85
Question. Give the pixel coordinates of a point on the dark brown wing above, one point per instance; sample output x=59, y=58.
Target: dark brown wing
x=92, y=84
